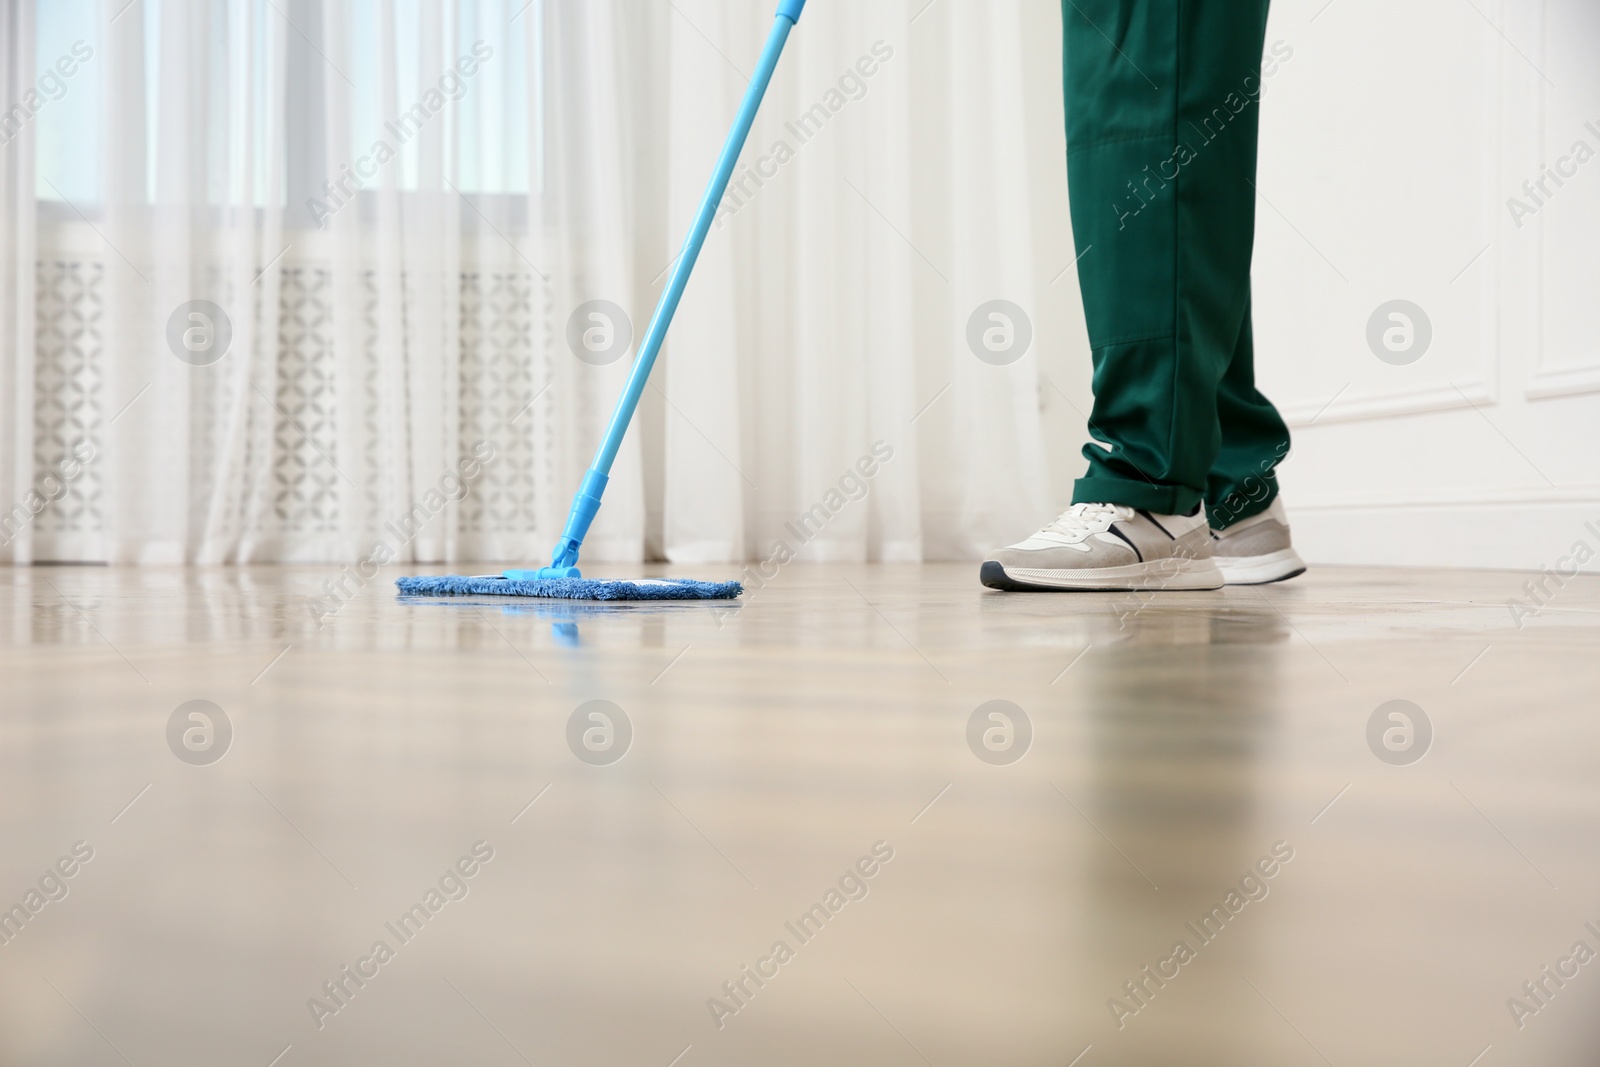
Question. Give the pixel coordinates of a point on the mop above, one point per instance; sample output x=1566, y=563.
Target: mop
x=562, y=579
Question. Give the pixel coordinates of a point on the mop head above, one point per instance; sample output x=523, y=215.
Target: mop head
x=571, y=588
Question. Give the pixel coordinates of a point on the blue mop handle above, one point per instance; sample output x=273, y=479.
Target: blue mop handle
x=587, y=502
x=788, y=15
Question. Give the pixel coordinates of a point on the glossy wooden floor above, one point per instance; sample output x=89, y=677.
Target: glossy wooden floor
x=818, y=766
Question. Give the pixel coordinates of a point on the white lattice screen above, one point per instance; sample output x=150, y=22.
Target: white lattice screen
x=68, y=399
x=290, y=493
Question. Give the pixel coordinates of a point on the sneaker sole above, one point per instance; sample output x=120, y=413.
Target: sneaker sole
x=1158, y=575
x=1272, y=567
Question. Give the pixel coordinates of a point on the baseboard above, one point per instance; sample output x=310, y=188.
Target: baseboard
x=1506, y=534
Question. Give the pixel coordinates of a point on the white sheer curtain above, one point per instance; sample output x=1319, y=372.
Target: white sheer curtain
x=16, y=285
x=833, y=309
x=400, y=382
x=190, y=211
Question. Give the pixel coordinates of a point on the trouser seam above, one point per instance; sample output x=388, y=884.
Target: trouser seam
x=1164, y=335
x=1122, y=139
x=1177, y=223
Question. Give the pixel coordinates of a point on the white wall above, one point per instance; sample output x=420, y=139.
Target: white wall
x=1392, y=141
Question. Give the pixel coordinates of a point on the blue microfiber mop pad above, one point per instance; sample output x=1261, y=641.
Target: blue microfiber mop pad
x=571, y=588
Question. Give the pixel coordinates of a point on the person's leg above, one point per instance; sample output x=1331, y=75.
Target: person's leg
x=1243, y=481
x=1162, y=100
x=1251, y=542
x=1162, y=126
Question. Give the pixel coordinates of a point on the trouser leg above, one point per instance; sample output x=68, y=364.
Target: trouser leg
x=1243, y=479
x=1162, y=105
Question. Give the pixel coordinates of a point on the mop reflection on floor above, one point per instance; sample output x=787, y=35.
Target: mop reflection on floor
x=565, y=615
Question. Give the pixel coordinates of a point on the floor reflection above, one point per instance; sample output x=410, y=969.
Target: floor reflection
x=565, y=616
x=1182, y=707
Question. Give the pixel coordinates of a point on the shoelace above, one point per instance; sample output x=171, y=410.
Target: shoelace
x=1081, y=520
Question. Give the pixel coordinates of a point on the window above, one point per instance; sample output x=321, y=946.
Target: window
x=478, y=93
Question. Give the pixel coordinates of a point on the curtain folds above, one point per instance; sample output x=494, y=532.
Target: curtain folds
x=425, y=227
x=20, y=496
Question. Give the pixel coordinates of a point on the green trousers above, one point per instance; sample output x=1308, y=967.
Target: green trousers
x=1163, y=110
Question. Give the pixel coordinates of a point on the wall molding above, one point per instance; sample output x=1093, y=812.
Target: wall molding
x=1560, y=382
x=1485, y=536
x=1540, y=496
x=1419, y=401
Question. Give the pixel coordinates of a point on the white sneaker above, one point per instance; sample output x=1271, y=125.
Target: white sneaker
x=1108, y=548
x=1258, y=551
